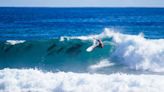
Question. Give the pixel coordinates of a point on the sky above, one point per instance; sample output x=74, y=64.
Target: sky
x=82, y=3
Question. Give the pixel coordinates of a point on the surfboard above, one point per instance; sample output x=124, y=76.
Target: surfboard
x=89, y=49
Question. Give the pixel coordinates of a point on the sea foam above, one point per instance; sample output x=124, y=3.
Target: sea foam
x=33, y=80
x=102, y=64
x=14, y=42
x=137, y=52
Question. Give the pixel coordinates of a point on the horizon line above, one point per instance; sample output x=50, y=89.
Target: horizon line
x=78, y=7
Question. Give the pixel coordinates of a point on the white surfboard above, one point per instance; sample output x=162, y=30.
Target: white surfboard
x=91, y=48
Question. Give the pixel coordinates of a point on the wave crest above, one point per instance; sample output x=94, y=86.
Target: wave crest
x=139, y=53
x=134, y=51
x=13, y=42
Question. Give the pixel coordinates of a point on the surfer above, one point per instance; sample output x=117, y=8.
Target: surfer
x=100, y=43
x=96, y=43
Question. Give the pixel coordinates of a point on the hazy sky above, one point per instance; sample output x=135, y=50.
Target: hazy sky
x=83, y=3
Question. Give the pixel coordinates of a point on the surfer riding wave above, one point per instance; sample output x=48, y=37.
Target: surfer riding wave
x=96, y=43
x=99, y=43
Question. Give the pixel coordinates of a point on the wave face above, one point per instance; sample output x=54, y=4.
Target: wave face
x=60, y=53
x=69, y=53
x=22, y=80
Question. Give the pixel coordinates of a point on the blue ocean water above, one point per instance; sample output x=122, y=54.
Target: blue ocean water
x=43, y=23
x=51, y=43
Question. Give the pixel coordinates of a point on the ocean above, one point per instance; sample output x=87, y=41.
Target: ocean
x=44, y=49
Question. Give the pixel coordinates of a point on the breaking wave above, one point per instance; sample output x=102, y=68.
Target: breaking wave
x=132, y=51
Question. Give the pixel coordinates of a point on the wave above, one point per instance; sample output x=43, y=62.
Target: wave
x=138, y=52
x=132, y=51
x=22, y=80
x=58, y=53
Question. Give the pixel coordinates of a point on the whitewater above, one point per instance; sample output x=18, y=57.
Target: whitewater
x=127, y=63
x=22, y=80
